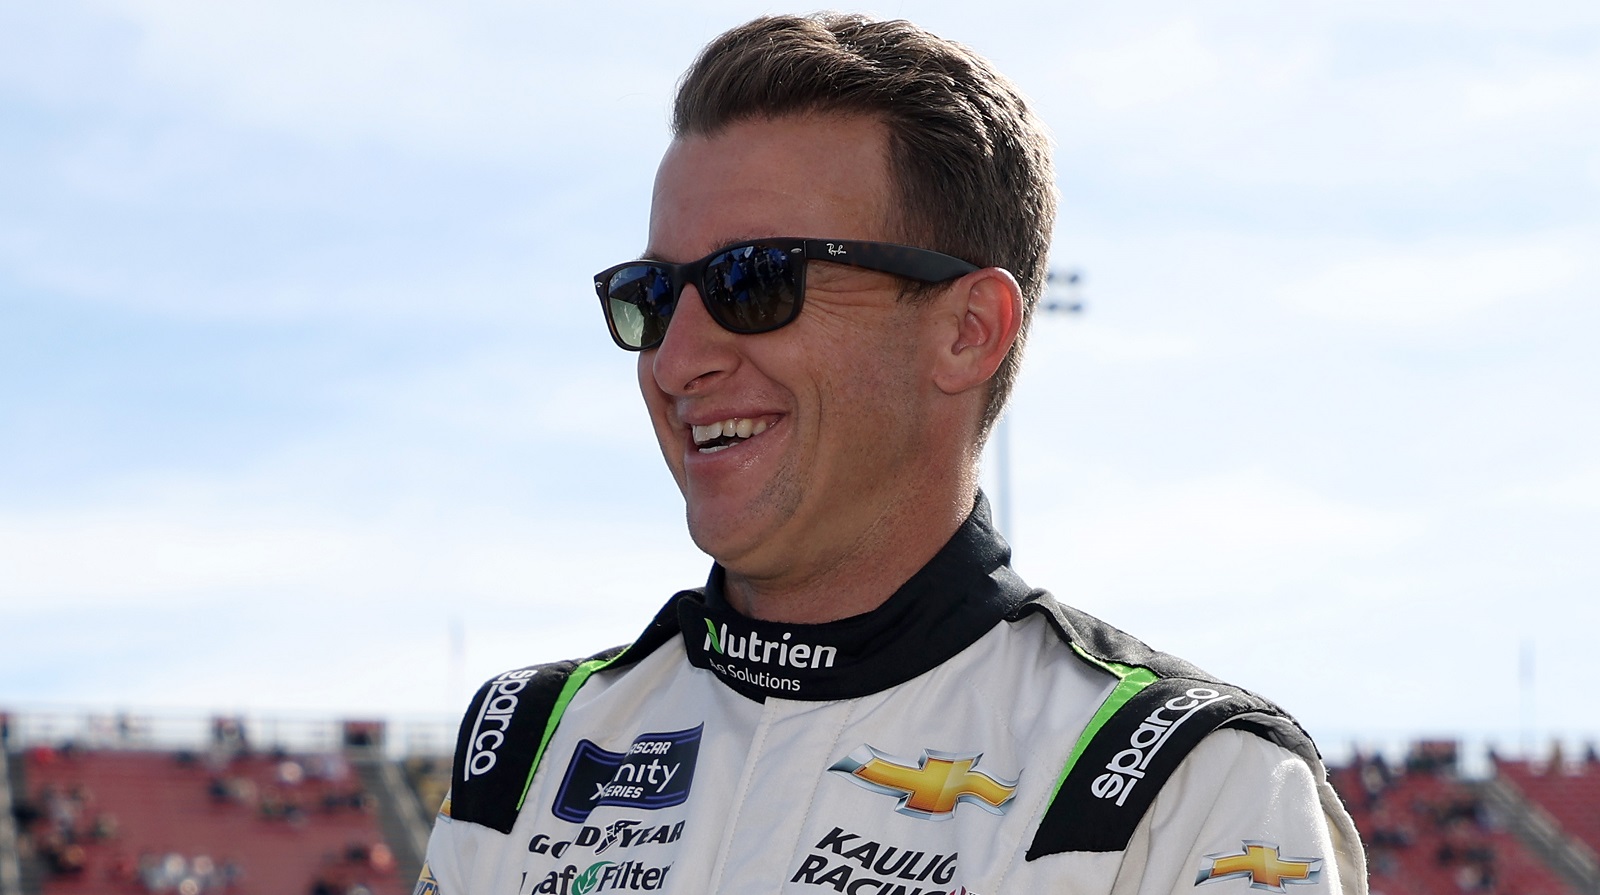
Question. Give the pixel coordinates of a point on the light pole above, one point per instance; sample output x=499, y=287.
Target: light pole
x=1060, y=297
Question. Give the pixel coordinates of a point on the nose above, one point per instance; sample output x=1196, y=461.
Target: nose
x=695, y=352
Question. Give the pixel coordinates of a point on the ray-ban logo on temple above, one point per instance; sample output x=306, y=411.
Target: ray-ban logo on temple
x=748, y=287
x=783, y=652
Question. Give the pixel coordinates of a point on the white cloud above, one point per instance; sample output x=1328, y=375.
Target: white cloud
x=306, y=288
x=177, y=553
x=489, y=80
x=110, y=555
x=293, y=602
x=1432, y=284
x=1112, y=344
x=1231, y=536
x=1168, y=63
x=1578, y=491
x=1311, y=99
x=1542, y=90
x=513, y=398
x=487, y=478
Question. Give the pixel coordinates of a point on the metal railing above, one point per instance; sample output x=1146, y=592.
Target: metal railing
x=173, y=730
x=10, y=863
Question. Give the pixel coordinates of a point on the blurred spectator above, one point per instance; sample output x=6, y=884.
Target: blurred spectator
x=290, y=773
x=227, y=734
x=105, y=827
x=178, y=873
x=1389, y=832
x=65, y=833
x=1431, y=757
x=63, y=858
x=1375, y=778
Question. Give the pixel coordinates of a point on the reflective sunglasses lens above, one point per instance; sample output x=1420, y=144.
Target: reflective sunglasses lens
x=753, y=289
x=639, y=302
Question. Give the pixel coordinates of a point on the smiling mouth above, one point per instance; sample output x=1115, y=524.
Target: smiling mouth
x=713, y=437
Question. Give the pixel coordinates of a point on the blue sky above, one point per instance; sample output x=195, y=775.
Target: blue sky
x=305, y=403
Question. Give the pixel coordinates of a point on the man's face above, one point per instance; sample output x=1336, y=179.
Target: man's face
x=835, y=401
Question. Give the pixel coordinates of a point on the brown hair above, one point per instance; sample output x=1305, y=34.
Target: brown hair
x=970, y=162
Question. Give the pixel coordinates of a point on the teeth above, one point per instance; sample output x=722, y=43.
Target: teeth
x=737, y=427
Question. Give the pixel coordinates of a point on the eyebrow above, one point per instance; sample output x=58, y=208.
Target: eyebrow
x=648, y=255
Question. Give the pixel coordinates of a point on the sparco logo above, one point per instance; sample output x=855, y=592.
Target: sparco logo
x=489, y=729
x=865, y=867
x=781, y=652
x=1127, y=768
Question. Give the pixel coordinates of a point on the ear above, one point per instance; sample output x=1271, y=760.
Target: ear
x=981, y=314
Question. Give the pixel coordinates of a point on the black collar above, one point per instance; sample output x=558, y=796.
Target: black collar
x=966, y=589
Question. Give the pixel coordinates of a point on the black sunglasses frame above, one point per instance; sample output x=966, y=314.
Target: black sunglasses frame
x=922, y=265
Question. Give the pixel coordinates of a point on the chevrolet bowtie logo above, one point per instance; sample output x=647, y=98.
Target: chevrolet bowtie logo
x=933, y=787
x=1260, y=863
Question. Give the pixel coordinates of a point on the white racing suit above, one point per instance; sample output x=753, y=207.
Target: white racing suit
x=969, y=736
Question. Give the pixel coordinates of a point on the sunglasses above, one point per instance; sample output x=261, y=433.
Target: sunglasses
x=749, y=287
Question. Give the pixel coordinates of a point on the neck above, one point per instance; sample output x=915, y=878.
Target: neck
x=882, y=556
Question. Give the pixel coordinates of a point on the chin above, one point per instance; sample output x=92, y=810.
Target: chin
x=734, y=524
x=716, y=537
x=725, y=534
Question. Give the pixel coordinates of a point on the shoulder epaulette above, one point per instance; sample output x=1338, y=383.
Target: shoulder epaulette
x=503, y=736
x=1160, y=709
x=511, y=719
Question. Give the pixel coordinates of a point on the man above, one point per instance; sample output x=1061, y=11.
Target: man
x=846, y=237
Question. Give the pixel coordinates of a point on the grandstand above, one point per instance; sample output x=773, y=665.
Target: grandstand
x=1557, y=803
x=1429, y=830
x=136, y=810
x=246, y=806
